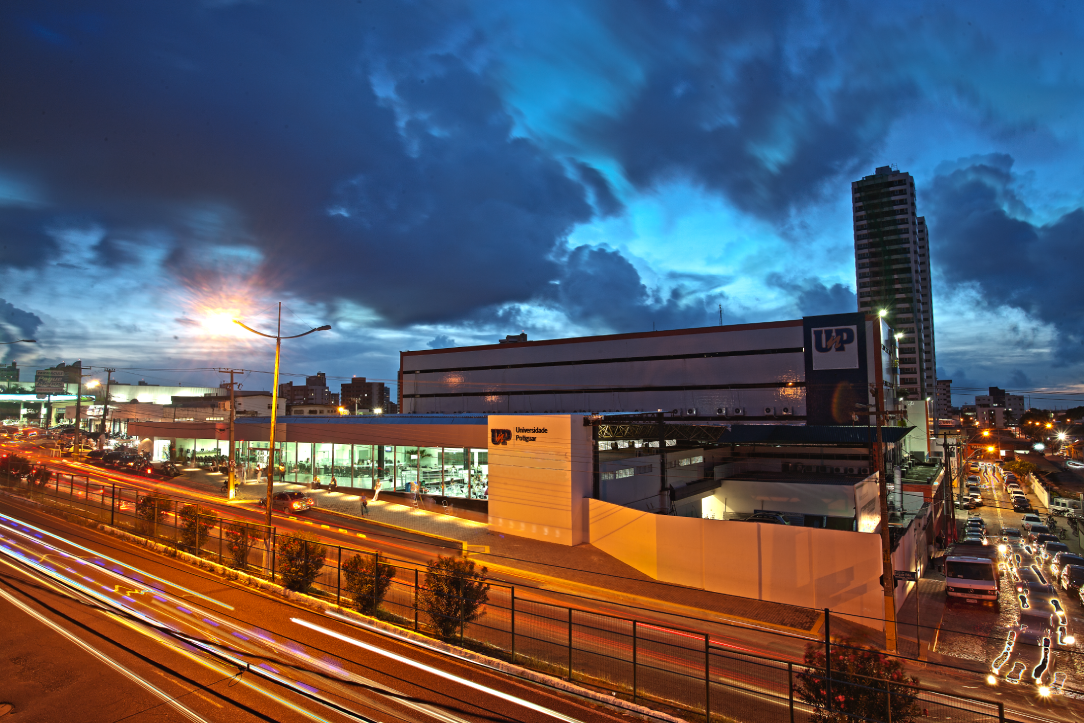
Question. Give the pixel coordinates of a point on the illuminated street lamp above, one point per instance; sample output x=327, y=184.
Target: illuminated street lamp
x=278, y=337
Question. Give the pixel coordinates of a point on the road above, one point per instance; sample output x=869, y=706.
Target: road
x=733, y=648
x=190, y=647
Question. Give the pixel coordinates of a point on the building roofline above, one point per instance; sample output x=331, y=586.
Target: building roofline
x=612, y=337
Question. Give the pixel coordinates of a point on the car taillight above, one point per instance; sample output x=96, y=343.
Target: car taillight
x=149, y=470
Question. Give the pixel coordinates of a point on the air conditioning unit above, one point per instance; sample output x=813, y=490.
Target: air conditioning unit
x=786, y=411
x=864, y=470
x=675, y=412
x=823, y=469
x=786, y=466
x=721, y=411
x=769, y=411
x=739, y=411
x=850, y=470
x=691, y=412
x=837, y=470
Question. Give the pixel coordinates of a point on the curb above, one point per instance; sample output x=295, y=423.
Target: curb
x=449, y=541
x=321, y=607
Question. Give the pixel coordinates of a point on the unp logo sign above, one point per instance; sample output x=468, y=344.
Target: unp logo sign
x=835, y=347
x=500, y=436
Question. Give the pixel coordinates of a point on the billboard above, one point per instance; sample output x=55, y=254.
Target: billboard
x=48, y=381
x=835, y=347
x=837, y=374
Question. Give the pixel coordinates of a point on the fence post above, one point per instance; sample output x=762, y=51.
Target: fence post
x=707, y=678
x=376, y=576
x=888, y=698
x=570, y=645
x=415, y=598
x=513, y=624
x=339, y=578
x=634, y=661
x=828, y=658
x=271, y=537
x=1000, y=713
x=220, y=523
x=790, y=688
x=113, y=506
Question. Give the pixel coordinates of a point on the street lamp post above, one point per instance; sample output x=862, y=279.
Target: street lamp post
x=278, y=337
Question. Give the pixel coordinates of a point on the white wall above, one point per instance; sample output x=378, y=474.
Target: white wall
x=539, y=479
x=778, y=563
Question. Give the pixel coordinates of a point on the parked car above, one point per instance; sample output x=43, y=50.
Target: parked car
x=769, y=518
x=290, y=502
x=1062, y=559
x=1072, y=577
x=1019, y=504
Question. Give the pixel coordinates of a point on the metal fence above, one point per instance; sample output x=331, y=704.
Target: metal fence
x=661, y=666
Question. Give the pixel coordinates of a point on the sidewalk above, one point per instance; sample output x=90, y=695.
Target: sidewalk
x=581, y=570
x=920, y=617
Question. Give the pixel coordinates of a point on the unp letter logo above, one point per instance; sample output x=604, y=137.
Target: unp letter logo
x=500, y=436
x=835, y=347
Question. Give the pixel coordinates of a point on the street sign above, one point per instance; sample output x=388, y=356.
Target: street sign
x=906, y=575
x=49, y=381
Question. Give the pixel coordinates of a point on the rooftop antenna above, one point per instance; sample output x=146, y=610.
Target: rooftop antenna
x=720, y=314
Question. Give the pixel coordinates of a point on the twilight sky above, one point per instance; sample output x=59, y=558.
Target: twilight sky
x=445, y=172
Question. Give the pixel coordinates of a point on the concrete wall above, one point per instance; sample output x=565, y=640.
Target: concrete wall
x=539, y=475
x=778, y=563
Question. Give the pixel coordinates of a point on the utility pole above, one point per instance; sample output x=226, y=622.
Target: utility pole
x=887, y=570
x=105, y=409
x=231, y=467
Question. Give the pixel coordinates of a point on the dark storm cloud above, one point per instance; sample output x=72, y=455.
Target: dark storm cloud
x=607, y=203
x=601, y=288
x=745, y=105
x=982, y=242
x=23, y=240
x=16, y=323
x=258, y=126
x=813, y=297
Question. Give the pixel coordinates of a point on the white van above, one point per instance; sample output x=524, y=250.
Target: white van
x=1064, y=505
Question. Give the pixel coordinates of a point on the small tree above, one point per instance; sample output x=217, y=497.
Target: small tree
x=239, y=540
x=1020, y=467
x=300, y=559
x=455, y=591
x=194, y=532
x=864, y=683
x=151, y=510
x=367, y=581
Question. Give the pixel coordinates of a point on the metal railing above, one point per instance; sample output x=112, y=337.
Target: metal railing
x=662, y=666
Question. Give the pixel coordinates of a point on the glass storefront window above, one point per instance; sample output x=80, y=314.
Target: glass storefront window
x=363, y=466
x=322, y=462
x=341, y=464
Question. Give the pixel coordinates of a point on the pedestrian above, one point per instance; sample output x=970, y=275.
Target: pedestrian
x=364, y=507
x=334, y=482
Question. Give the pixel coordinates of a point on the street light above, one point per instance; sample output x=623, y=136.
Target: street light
x=278, y=337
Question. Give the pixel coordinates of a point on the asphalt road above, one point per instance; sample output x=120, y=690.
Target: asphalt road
x=171, y=643
x=728, y=641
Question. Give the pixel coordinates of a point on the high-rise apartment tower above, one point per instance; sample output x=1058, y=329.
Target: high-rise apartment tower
x=892, y=260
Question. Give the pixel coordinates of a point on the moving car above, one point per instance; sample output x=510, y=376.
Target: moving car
x=1072, y=577
x=1062, y=559
x=1048, y=549
x=1027, y=657
x=290, y=502
x=1030, y=519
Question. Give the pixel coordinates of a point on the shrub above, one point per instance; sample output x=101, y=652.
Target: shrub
x=194, y=532
x=300, y=559
x=863, y=680
x=151, y=510
x=367, y=581
x=455, y=591
x=239, y=539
